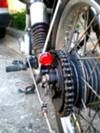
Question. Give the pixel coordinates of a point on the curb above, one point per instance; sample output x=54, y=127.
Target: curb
x=15, y=32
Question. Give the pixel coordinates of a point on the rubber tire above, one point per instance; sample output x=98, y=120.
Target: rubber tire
x=2, y=32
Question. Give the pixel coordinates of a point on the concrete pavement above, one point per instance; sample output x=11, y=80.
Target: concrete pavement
x=19, y=113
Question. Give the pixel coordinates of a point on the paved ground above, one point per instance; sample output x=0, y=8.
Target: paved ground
x=19, y=113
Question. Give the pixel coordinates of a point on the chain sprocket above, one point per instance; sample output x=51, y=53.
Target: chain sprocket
x=67, y=86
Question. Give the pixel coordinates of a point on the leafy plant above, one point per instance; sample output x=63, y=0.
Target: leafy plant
x=18, y=20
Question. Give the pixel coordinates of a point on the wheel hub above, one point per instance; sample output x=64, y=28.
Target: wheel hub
x=72, y=81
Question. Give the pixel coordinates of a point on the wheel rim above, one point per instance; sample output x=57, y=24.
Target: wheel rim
x=69, y=19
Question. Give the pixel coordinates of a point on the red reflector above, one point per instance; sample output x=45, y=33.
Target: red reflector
x=3, y=3
x=46, y=59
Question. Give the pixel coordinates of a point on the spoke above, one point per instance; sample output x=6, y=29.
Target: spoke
x=90, y=58
x=92, y=41
x=86, y=29
x=84, y=118
x=91, y=122
x=84, y=106
x=93, y=117
x=94, y=104
x=85, y=33
x=96, y=45
x=93, y=70
x=90, y=87
x=71, y=34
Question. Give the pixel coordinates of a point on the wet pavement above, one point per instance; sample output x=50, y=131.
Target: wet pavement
x=19, y=113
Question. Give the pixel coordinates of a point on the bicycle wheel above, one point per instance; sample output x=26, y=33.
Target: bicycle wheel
x=78, y=36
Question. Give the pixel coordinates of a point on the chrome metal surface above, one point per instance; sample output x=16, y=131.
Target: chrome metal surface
x=38, y=13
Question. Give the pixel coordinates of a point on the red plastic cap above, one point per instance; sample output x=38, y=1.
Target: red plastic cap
x=46, y=59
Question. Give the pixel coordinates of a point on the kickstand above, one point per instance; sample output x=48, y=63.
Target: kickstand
x=28, y=90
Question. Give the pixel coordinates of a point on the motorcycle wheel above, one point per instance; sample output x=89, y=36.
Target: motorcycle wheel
x=72, y=28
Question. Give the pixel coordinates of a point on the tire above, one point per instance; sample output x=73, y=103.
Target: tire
x=2, y=32
x=66, y=16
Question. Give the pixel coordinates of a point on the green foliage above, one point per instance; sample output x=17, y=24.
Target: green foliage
x=18, y=20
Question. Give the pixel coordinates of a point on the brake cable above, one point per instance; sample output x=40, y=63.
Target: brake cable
x=44, y=107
